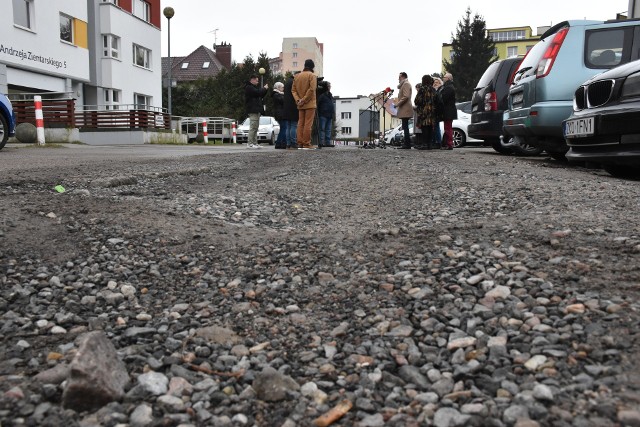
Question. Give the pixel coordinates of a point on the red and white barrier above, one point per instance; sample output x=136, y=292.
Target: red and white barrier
x=204, y=131
x=37, y=100
x=233, y=132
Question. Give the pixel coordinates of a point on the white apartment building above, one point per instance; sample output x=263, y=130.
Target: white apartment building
x=355, y=118
x=103, y=53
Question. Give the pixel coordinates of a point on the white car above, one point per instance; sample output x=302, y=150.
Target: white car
x=268, y=130
x=460, y=134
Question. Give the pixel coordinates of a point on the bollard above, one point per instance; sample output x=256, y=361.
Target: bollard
x=205, y=133
x=233, y=132
x=39, y=119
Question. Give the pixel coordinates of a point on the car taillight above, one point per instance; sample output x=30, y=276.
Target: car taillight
x=549, y=57
x=490, y=102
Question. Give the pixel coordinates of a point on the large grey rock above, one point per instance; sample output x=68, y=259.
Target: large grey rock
x=96, y=375
x=26, y=133
x=272, y=386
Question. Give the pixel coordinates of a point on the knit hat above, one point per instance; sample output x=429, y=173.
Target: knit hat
x=309, y=64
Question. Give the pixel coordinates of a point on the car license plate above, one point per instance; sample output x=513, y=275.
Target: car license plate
x=517, y=98
x=578, y=127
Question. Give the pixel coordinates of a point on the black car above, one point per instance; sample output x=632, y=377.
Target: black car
x=488, y=102
x=604, y=126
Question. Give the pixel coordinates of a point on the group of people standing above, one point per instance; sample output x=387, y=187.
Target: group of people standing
x=295, y=108
x=434, y=102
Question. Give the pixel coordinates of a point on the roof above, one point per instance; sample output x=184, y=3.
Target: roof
x=195, y=68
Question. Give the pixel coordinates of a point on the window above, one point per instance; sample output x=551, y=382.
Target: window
x=111, y=46
x=295, y=64
x=529, y=47
x=111, y=99
x=507, y=35
x=346, y=115
x=23, y=13
x=345, y=131
x=141, y=56
x=184, y=65
x=66, y=28
x=206, y=64
x=295, y=45
x=604, y=47
x=142, y=102
x=295, y=54
x=141, y=9
x=512, y=51
x=110, y=1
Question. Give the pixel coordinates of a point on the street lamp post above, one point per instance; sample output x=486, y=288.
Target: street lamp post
x=168, y=13
x=261, y=71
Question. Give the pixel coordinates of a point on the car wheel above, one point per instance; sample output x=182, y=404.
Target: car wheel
x=459, y=138
x=527, y=150
x=497, y=146
x=4, y=131
x=623, y=171
x=273, y=138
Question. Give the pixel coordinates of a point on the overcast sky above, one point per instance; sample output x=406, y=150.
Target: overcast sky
x=366, y=43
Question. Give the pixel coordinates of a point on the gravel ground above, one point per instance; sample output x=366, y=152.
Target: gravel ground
x=337, y=287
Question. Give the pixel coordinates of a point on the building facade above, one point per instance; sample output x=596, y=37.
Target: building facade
x=295, y=50
x=356, y=117
x=103, y=53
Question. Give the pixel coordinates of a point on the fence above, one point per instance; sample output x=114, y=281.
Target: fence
x=62, y=113
x=217, y=127
x=56, y=112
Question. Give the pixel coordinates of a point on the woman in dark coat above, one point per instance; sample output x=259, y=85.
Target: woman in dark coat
x=425, y=112
x=278, y=111
x=450, y=111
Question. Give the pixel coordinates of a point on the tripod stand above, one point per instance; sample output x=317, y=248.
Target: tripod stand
x=377, y=103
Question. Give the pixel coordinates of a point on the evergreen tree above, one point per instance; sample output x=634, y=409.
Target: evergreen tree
x=472, y=52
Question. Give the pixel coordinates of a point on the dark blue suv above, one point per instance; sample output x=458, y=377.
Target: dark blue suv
x=7, y=120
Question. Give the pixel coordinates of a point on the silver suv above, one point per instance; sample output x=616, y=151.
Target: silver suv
x=567, y=54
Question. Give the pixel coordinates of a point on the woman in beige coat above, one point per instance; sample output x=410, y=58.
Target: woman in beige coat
x=405, y=109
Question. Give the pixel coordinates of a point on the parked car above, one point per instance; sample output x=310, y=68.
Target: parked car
x=567, y=54
x=268, y=130
x=488, y=103
x=460, y=134
x=7, y=120
x=604, y=127
x=461, y=126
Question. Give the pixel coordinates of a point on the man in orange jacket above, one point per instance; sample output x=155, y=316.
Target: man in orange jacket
x=304, y=93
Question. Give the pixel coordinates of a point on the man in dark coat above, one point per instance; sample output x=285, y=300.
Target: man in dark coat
x=290, y=115
x=253, y=104
x=326, y=111
x=450, y=112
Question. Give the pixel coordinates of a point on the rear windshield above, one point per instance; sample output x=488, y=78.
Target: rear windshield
x=530, y=63
x=488, y=75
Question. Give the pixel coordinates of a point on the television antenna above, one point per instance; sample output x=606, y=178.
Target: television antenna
x=215, y=35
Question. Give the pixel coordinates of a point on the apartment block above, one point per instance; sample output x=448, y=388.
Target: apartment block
x=103, y=53
x=295, y=50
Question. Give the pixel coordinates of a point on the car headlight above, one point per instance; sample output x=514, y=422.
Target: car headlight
x=631, y=85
